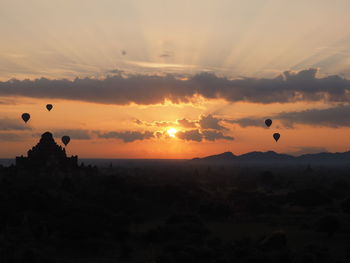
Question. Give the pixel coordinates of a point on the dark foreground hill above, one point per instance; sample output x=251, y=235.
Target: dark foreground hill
x=273, y=157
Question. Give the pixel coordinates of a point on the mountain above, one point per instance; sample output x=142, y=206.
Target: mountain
x=273, y=157
x=264, y=156
x=226, y=156
x=325, y=156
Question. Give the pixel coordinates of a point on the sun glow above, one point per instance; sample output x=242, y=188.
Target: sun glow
x=172, y=132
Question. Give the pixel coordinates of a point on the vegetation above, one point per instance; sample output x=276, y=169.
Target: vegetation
x=174, y=212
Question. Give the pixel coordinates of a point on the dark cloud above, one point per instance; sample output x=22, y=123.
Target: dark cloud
x=126, y=136
x=75, y=134
x=210, y=122
x=334, y=117
x=151, y=89
x=138, y=122
x=198, y=136
x=7, y=124
x=116, y=72
x=215, y=135
x=192, y=135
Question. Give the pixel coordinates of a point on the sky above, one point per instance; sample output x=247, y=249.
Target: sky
x=175, y=79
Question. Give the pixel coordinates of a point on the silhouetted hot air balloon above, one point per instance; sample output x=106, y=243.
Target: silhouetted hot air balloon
x=268, y=122
x=26, y=117
x=65, y=139
x=276, y=136
x=49, y=107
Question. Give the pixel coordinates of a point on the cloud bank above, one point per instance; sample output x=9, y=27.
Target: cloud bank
x=333, y=117
x=148, y=89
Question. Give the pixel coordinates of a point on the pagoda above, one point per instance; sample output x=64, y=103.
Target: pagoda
x=47, y=154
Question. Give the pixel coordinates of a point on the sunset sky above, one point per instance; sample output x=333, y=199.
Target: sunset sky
x=175, y=79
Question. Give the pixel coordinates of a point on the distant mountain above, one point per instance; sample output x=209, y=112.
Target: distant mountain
x=226, y=156
x=271, y=156
x=325, y=156
x=264, y=156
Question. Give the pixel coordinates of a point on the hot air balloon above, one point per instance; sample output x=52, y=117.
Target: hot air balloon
x=276, y=136
x=49, y=107
x=268, y=122
x=26, y=117
x=65, y=139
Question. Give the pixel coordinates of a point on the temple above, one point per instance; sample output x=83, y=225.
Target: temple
x=47, y=154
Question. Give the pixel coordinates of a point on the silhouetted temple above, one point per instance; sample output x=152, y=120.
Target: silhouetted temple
x=47, y=154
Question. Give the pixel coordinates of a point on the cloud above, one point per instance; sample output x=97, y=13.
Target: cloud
x=198, y=136
x=126, y=136
x=7, y=124
x=163, y=124
x=187, y=123
x=7, y=102
x=192, y=135
x=248, y=122
x=165, y=55
x=155, y=123
x=159, y=134
x=333, y=117
x=75, y=134
x=138, y=122
x=153, y=89
x=10, y=137
x=210, y=122
x=215, y=135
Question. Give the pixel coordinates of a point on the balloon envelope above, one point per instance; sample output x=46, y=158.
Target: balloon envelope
x=276, y=136
x=26, y=117
x=268, y=122
x=65, y=140
x=49, y=107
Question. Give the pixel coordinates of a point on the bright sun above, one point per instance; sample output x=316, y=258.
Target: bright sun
x=172, y=132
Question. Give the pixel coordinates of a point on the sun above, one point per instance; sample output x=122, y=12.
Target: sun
x=172, y=132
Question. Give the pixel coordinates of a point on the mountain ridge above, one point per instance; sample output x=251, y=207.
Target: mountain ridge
x=258, y=156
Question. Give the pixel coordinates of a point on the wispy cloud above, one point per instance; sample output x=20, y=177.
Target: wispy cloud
x=10, y=137
x=7, y=124
x=76, y=134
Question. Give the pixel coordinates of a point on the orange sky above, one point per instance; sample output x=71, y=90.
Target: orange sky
x=122, y=73
x=92, y=118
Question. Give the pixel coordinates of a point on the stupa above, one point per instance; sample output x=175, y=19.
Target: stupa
x=47, y=154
